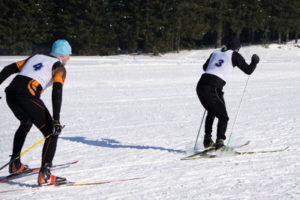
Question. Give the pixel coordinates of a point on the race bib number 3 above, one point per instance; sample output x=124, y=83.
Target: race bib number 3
x=219, y=63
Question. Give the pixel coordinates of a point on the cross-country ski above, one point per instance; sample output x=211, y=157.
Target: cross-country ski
x=228, y=153
x=32, y=171
x=69, y=184
x=213, y=149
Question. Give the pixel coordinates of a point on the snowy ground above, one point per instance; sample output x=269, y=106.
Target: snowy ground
x=136, y=116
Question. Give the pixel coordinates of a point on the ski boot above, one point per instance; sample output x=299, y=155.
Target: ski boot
x=16, y=167
x=208, y=142
x=46, y=178
x=219, y=144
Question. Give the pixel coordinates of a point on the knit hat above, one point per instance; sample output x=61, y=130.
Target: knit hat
x=61, y=47
x=233, y=43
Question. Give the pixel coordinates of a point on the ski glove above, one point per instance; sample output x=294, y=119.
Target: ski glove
x=57, y=127
x=255, y=59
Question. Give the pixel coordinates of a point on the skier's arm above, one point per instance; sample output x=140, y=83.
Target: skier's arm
x=11, y=69
x=59, y=75
x=239, y=61
x=206, y=63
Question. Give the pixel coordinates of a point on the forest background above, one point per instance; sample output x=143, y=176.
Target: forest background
x=108, y=27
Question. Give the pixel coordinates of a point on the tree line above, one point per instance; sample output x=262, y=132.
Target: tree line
x=106, y=27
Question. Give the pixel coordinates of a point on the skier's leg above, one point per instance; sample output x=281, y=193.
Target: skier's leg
x=20, y=137
x=221, y=114
x=209, y=123
x=204, y=94
x=25, y=125
x=41, y=118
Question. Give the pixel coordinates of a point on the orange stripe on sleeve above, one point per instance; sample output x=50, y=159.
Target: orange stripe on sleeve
x=58, y=78
x=20, y=64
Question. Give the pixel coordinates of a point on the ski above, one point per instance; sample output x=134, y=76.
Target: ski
x=235, y=153
x=263, y=151
x=212, y=149
x=94, y=183
x=237, y=146
x=32, y=171
x=70, y=184
x=200, y=157
x=14, y=176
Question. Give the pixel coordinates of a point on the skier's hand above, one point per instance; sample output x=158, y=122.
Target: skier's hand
x=57, y=128
x=255, y=59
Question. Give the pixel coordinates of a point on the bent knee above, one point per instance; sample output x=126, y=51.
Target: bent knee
x=223, y=118
x=26, y=125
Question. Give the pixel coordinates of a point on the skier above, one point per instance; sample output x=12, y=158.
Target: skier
x=209, y=89
x=35, y=74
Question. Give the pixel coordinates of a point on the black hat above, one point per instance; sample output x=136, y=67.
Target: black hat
x=233, y=43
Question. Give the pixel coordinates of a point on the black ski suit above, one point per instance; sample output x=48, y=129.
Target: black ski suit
x=210, y=93
x=23, y=98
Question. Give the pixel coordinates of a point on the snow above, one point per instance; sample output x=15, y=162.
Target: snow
x=134, y=116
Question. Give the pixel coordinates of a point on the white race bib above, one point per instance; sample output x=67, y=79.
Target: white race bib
x=39, y=68
x=220, y=64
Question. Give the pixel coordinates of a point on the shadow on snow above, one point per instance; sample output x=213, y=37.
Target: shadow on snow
x=110, y=143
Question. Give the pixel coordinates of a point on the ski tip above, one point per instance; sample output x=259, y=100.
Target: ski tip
x=286, y=148
x=70, y=183
x=73, y=162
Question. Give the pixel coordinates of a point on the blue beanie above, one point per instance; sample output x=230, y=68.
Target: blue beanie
x=61, y=47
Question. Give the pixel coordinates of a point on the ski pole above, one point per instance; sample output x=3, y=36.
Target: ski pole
x=237, y=113
x=31, y=147
x=199, y=129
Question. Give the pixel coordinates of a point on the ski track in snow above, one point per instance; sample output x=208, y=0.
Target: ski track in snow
x=136, y=116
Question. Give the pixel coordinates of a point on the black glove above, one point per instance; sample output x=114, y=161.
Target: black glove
x=255, y=59
x=57, y=127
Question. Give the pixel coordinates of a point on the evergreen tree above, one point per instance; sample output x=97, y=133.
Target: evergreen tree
x=87, y=25
x=254, y=18
x=217, y=12
x=235, y=16
x=104, y=27
x=125, y=14
x=292, y=18
x=190, y=23
x=44, y=26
